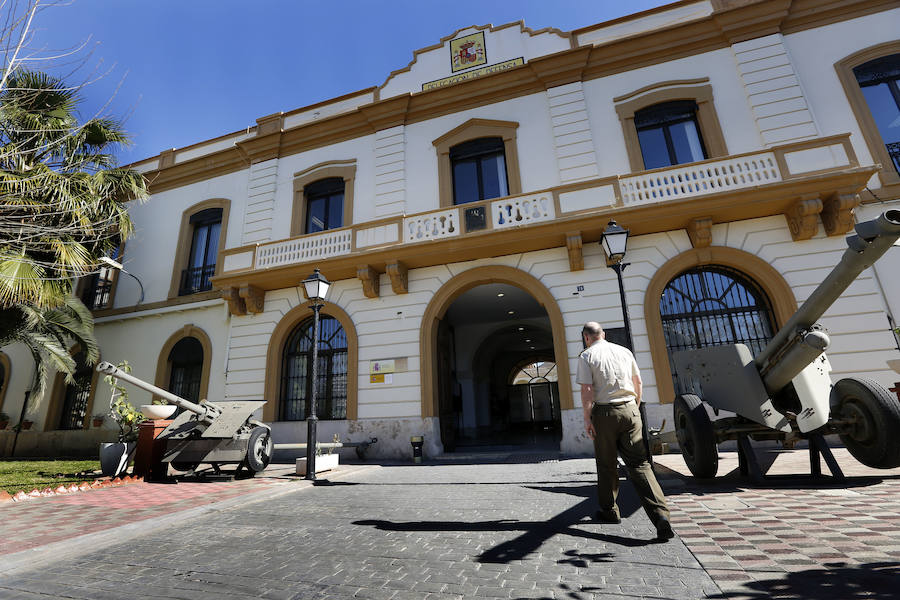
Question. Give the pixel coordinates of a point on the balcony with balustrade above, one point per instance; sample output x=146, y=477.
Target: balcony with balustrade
x=806, y=181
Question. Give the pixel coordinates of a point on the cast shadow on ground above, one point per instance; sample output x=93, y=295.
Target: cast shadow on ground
x=535, y=533
x=837, y=581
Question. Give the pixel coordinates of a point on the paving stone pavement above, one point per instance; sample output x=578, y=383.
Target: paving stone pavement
x=503, y=530
x=394, y=532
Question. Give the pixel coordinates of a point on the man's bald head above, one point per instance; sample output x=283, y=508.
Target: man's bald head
x=592, y=331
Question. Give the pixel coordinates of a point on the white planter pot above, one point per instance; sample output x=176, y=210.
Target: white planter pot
x=158, y=411
x=324, y=462
x=114, y=457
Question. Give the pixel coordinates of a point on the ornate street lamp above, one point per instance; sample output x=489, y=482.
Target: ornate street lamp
x=614, y=241
x=316, y=289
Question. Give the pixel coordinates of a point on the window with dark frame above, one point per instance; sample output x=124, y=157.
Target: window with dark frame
x=77, y=396
x=186, y=368
x=206, y=227
x=324, y=205
x=479, y=170
x=878, y=79
x=97, y=291
x=711, y=306
x=296, y=371
x=669, y=135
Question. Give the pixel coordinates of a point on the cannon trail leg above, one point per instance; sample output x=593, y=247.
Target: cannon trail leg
x=818, y=447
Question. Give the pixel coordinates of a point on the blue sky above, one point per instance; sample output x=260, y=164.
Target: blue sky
x=180, y=72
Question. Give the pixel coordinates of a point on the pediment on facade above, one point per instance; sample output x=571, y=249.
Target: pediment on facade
x=472, y=52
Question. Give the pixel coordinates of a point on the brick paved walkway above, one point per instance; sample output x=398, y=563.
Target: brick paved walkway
x=41, y=521
x=792, y=538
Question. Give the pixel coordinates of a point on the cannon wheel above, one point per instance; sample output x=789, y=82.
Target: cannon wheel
x=872, y=438
x=696, y=436
x=259, y=450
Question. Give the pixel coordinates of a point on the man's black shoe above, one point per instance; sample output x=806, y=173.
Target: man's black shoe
x=607, y=516
x=664, y=529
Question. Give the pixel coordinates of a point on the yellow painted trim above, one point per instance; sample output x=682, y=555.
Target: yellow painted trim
x=888, y=174
x=164, y=366
x=471, y=130
x=185, y=235
x=345, y=169
x=455, y=287
x=779, y=293
x=668, y=91
x=276, y=349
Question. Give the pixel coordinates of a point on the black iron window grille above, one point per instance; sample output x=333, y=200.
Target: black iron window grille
x=296, y=378
x=712, y=306
x=77, y=396
x=186, y=368
x=207, y=226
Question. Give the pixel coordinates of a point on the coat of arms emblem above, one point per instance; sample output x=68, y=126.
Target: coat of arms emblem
x=467, y=51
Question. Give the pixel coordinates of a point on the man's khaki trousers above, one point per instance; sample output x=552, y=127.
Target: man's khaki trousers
x=617, y=430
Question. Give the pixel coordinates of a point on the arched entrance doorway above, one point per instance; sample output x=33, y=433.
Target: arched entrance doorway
x=479, y=332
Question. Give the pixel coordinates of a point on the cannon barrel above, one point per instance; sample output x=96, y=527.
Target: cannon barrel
x=205, y=412
x=872, y=239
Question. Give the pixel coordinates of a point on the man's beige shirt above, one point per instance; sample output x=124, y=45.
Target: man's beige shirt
x=609, y=368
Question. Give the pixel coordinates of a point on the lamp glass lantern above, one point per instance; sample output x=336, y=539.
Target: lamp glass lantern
x=316, y=286
x=614, y=241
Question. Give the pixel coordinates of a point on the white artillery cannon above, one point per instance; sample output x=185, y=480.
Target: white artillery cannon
x=785, y=392
x=215, y=433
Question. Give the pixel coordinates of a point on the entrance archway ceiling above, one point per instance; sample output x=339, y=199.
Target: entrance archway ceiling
x=485, y=304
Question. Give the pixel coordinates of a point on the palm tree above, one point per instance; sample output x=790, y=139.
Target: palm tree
x=63, y=205
x=47, y=333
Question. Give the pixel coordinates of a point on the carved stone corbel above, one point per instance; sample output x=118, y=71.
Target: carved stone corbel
x=236, y=304
x=254, y=298
x=369, y=278
x=802, y=218
x=700, y=232
x=574, y=245
x=837, y=213
x=399, y=278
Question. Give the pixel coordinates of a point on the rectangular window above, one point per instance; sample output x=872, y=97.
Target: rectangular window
x=207, y=225
x=324, y=205
x=668, y=134
x=97, y=291
x=479, y=170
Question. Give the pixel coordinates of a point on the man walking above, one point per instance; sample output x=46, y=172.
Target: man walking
x=610, y=394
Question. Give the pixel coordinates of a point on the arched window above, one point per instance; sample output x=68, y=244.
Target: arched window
x=878, y=79
x=710, y=306
x=535, y=372
x=534, y=393
x=479, y=170
x=668, y=134
x=296, y=371
x=77, y=396
x=201, y=238
x=186, y=368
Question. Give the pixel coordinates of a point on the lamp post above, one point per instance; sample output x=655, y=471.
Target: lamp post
x=614, y=241
x=316, y=288
x=119, y=267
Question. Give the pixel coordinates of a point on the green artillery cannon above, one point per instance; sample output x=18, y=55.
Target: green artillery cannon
x=785, y=392
x=216, y=433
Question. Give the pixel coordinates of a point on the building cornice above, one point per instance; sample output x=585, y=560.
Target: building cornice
x=731, y=21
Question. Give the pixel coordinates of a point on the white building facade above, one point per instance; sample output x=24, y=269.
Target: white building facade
x=457, y=209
